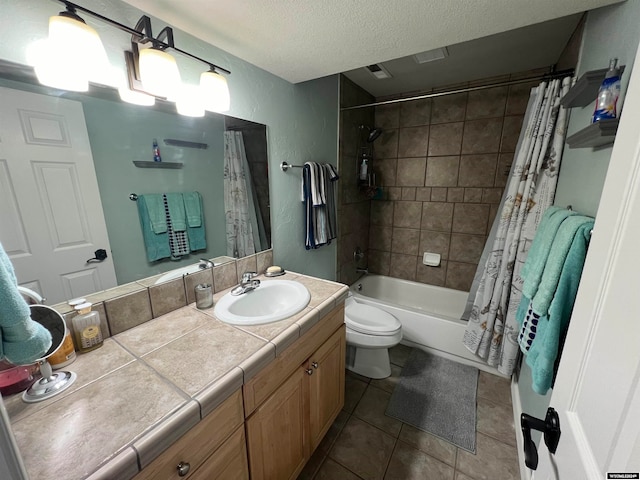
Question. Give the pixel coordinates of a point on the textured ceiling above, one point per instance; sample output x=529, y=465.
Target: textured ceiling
x=300, y=40
x=526, y=48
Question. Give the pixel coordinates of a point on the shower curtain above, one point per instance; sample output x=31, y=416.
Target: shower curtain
x=492, y=330
x=243, y=232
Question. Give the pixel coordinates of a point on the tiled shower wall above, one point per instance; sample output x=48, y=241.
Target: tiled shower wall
x=353, y=205
x=442, y=164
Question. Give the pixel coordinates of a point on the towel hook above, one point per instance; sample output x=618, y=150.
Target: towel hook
x=133, y=197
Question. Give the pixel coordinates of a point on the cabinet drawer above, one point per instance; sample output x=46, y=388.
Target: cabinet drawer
x=229, y=462
x=198, y=443
x=258, y=389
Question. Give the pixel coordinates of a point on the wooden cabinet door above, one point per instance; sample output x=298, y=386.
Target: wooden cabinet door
x=278, y=431
x=229, y=462
x=326, y=385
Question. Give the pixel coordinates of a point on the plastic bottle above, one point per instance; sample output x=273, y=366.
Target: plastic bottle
x=363, y=169
x=156, y=151
x=65, y=355
x=608, y=93
x=86, y=327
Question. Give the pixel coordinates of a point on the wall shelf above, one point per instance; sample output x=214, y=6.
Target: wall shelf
x=595, y=135
x=141, y=164
x=586, y=88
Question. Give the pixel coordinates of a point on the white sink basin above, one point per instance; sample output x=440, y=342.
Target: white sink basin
x=273, y=300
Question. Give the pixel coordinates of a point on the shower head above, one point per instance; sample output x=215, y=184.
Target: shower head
x=374, y=133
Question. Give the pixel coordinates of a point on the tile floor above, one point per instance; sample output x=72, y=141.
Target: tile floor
x=363, y=443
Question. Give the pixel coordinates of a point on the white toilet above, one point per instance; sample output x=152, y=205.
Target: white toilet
x=370, y=333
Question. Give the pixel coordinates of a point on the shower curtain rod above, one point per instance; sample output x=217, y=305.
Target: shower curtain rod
x=546, y=76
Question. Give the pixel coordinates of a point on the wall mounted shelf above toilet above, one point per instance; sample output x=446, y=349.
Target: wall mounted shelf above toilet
x=141, y=164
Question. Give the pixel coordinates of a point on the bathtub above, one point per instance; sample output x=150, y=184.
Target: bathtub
x=430, y=315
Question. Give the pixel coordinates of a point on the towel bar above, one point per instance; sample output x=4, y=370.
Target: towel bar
x=284, y=166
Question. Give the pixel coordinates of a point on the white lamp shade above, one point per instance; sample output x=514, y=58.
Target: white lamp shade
x=189, y=101
x=74, y=42
x=215, y=92
x=159, y=73
x=56, y=69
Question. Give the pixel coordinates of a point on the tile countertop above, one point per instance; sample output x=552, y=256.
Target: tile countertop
x=147, y=386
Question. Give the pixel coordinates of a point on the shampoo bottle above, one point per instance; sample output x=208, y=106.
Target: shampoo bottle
x=86, y=327
x=608, y=94
x=364, y=167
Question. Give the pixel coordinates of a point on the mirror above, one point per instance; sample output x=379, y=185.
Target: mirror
x=121, y=133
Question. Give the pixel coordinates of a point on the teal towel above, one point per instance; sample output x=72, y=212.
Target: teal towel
x=556, y=260
x=175, y=203
x=156, y=245
x=197, y=238
x=540, y=247
x=155, y=210
x=23, y=340
x=193, y=208
x=552, y=327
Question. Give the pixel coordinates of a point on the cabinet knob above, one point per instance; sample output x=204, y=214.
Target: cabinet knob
x=183, y=468
x=309, y=371
x=314, y=364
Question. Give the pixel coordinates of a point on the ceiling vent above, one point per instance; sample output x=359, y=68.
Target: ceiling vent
x=431, y=55
x=378, y=71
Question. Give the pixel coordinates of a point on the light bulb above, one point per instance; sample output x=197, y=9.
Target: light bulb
x=189, y=101
x=158, y=72
x=215, y=92
x=56, y=69
x=78, y=46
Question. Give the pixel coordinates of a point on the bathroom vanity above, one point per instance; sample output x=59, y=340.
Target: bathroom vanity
x=185, y=395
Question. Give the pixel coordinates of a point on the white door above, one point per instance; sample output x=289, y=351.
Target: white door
x=597, y=390
x=51, y=218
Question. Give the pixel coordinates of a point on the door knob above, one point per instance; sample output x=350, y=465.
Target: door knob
x=100, y=256
x=550, y=427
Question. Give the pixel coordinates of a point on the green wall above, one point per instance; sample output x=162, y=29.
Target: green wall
x=301, y=119
x=609, y=32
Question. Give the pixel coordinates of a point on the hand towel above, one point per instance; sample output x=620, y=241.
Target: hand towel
x=540, y=248
x=23, y=340
x=192, y=206
x=556, y=261
x=553, y=326
x=156, y=245
x=196, y=234
x=175, y=202
x=155, y=211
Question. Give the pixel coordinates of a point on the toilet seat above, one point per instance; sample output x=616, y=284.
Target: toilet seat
x=370, y=320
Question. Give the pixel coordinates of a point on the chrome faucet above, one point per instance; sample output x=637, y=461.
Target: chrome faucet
x=362, y=270
x=247, y=284
x=204, y=264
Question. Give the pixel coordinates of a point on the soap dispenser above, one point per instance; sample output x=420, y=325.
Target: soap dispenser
x=608, y=94
x=86, y=327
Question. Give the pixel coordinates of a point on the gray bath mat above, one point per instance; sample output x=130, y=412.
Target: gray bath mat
x=437, y=396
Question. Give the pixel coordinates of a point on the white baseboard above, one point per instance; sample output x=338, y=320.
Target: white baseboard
x=525, y=473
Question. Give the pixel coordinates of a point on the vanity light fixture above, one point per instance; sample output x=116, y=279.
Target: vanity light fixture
x=75, y=50
x=73, y=54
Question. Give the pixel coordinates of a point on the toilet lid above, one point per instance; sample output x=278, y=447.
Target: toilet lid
x=370, y=320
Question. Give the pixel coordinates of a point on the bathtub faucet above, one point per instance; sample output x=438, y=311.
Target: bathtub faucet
x=362, y=270
x=204, y=264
